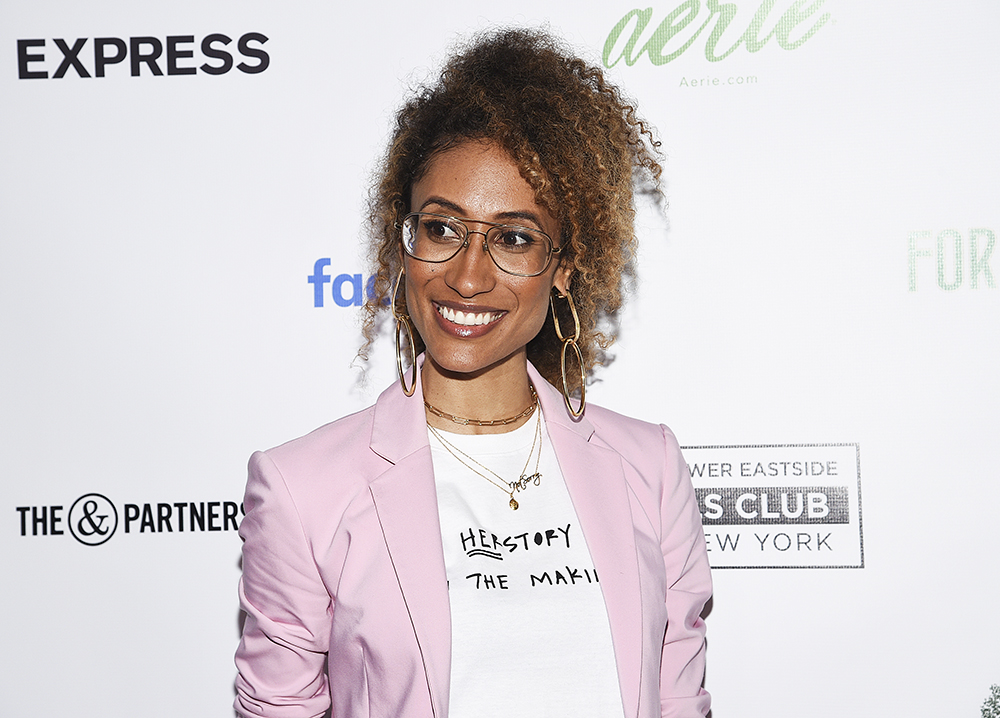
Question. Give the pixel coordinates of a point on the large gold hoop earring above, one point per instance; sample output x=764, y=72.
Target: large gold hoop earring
x=567, y=344
x=403, y=323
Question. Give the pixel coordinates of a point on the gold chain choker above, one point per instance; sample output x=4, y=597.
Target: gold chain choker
x=485, y=422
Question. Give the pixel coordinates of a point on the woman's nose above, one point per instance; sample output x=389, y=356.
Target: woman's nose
x=471, y=272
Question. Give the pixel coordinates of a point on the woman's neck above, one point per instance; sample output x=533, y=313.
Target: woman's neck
x=497, y=392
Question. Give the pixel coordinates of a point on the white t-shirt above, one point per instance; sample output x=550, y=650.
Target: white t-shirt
x=530, y=631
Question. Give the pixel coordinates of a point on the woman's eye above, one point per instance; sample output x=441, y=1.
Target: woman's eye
x=436, y=229
x=516, y=239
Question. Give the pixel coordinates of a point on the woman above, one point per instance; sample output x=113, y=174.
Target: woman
x=476, y=543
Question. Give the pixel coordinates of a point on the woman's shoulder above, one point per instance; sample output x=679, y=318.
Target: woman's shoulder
x=629, y=436
x=655, y=469
x=330, y=449
x=623, y=432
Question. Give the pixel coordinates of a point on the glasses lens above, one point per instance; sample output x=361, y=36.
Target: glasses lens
x=519, y=250
x=432, y=238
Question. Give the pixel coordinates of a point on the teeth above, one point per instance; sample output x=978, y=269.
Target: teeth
x=468, y=319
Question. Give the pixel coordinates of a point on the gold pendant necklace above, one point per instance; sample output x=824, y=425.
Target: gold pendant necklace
x=508, y=487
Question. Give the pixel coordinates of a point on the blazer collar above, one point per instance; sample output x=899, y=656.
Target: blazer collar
x=554, y=407
x=400, y=425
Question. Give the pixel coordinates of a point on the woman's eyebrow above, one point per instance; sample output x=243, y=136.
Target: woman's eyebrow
x=442, y=202
x=460, y=212
x=521, y=214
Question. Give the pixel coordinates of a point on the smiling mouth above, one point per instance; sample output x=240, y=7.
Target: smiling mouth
x=468, y=319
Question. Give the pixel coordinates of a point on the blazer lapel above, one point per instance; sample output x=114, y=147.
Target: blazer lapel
x=406, y=503
x=596, y=484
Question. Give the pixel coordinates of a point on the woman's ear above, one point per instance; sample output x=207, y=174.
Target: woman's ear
x=564, y=273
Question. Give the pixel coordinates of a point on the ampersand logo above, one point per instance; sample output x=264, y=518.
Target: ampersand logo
x=93, y=519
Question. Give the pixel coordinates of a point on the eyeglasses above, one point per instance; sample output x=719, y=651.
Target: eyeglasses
x=521, y=251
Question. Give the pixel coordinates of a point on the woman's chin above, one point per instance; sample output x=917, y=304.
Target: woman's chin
x=471, y=364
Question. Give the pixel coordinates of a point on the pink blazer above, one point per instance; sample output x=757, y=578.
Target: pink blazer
x=344, y=583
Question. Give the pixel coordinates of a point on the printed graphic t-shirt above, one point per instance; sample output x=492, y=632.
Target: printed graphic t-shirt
x=530, y=630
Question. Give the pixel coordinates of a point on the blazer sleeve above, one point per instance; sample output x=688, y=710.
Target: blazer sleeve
x=282, y=655
x=689, y=587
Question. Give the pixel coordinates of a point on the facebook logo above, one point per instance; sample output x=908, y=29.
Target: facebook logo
x=347, y=290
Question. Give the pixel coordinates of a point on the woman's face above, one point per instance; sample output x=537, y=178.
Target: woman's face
x=471, y=314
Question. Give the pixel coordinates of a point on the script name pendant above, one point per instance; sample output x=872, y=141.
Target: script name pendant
x=508, y=487
x=521, y=484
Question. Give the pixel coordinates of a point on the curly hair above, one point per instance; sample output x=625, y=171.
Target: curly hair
x=578, y=143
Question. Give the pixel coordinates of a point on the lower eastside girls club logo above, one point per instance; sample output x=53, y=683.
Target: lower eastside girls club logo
x=781, y=506
x=93, y=518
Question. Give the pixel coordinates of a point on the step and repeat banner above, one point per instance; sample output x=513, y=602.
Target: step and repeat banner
x=817, y=316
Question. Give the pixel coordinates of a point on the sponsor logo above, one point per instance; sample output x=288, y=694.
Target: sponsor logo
x=959, y=260
x=93, y=518
x=689, y=21
x=782, y=506
x=146, y=55
x=346, y=290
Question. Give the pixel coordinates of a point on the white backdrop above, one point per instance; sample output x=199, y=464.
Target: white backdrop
x=824, y=288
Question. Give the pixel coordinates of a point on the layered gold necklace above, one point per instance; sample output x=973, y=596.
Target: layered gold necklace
x=508, y=487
